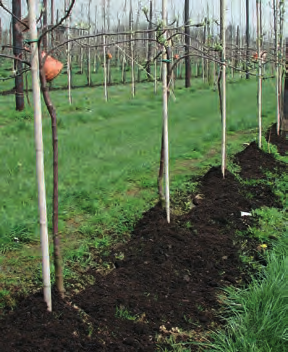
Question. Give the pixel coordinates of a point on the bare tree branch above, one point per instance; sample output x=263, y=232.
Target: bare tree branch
x=13, y=76
x=11, y=13
x=68, y=12
x=15, y=58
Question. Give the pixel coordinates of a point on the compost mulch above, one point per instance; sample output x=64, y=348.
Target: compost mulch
x=166, y=275
x=281, y=140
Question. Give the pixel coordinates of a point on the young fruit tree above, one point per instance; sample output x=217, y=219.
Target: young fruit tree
x=56, y=67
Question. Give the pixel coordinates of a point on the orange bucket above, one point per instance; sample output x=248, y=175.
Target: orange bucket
x=52, y=67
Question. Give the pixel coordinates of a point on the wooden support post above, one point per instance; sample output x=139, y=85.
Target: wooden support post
x=284, y=124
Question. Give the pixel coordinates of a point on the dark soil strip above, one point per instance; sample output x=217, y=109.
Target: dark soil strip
x=280, y=141
x=254, y=162
x=166, y=275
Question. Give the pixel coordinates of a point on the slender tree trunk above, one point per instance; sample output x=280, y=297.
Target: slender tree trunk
x=89, y=49
x=247, y=38
x=258, y=9
x=237, y=60
x=284, y=125
x=150, y=43
x=57, y=35
x=155, y=68
x=261, y=23
x=45, y=25
x=39, y=155
x=187, y=44
x=95, y=42
x=165, y=141
x=275, y=14
x=123, y=69
x=223, y=59
x=169, y=73
x=68, y=56
x=232, y=46
x=109, y=72
x=162, y=151
x=117, y=51
x=137, y=51
x=209, y=69
x=220, y=75
x=282, y=61
x=132, y=51
x=52, y=12
x=204, y=60
x=161, y=172
x=81, y=48
x=52, y=21
x=105, y=68
x=81, y=56
x=10, y=32
x=56, y=238
x=17, y=51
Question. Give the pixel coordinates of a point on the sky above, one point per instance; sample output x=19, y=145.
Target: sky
x=235, y=11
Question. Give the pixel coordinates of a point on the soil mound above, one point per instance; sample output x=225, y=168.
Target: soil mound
x=167, y=275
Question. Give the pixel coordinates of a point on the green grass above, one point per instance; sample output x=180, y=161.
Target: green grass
x=258, y=315
x=260, y=322
x=78, y=80
x=123, y=313
x=97, y=73
x=108, y=161
x=107, y=149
